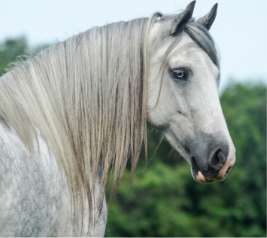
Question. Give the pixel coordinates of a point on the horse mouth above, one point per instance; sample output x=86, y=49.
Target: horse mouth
x=196, y=173
x=205, y=176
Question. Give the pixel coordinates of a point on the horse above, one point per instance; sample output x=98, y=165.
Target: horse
x=73, y=116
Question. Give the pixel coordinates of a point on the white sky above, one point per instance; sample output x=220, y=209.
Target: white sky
x=240, y=29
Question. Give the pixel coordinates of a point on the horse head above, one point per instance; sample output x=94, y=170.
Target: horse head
x=183, y=97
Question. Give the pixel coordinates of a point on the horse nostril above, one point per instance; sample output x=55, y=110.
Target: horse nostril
x=217, y=159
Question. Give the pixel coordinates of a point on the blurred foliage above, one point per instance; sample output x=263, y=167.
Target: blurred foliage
x=162, y=199
x=11, y=50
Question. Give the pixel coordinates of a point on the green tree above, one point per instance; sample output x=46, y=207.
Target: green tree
x=10, y=50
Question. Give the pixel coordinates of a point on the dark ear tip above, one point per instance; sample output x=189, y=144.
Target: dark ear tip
x=215, y=7
x=191, y=5
x=208, y=19
x=183, y=18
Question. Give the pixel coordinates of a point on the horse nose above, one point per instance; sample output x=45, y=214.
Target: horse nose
x=217, y=159
x=212, y=157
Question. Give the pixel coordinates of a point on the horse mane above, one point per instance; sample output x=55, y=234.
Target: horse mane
x=85, y=97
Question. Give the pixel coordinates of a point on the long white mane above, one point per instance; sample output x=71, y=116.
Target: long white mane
x=85, y=98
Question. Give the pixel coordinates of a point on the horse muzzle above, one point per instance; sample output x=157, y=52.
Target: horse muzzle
x=214, y=163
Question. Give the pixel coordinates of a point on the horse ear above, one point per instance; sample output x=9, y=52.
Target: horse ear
x=208, y=19
x=183, y=18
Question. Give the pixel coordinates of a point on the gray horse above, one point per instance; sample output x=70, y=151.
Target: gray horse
x=76, y=112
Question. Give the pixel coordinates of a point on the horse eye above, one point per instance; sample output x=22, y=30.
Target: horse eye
x=180, y=73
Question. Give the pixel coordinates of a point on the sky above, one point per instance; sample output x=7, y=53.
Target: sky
x=240, y=29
